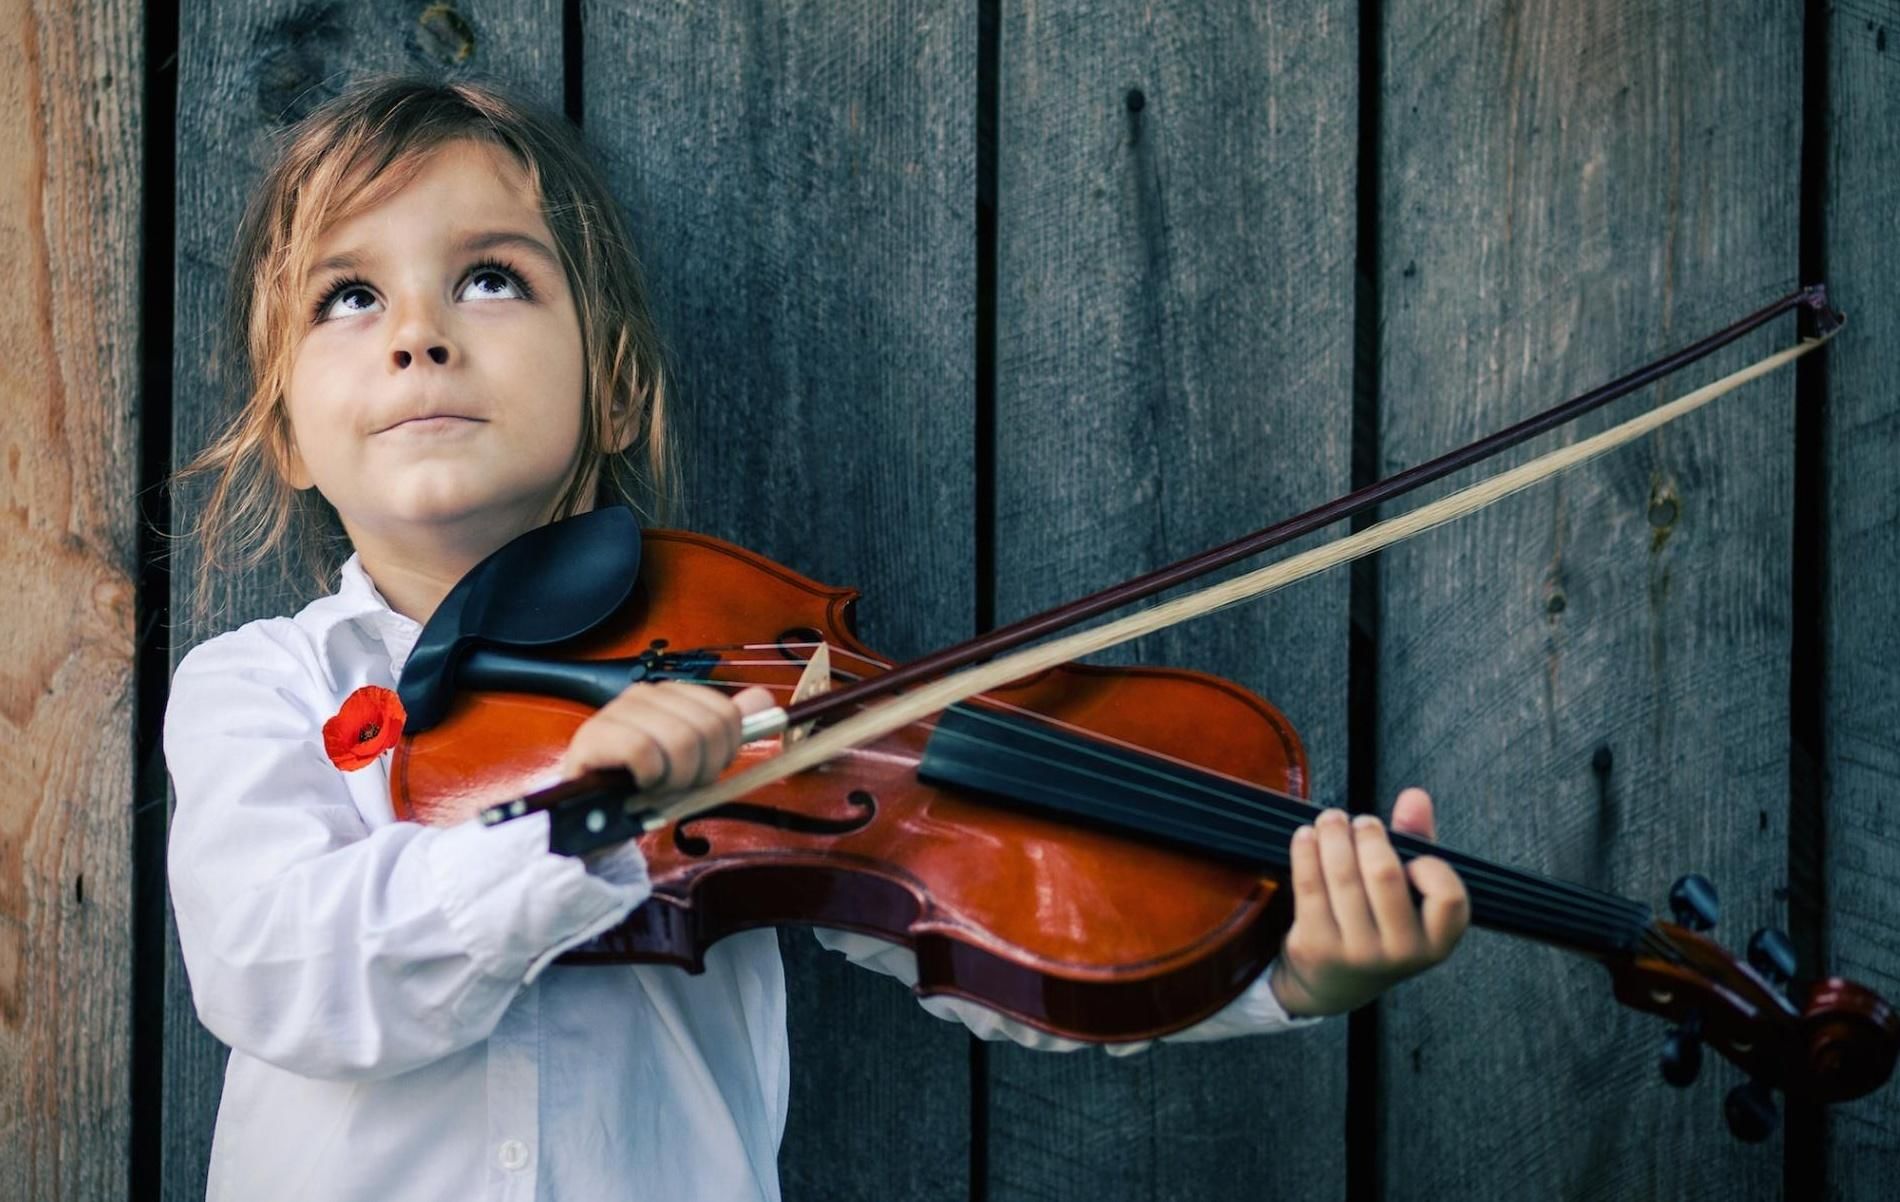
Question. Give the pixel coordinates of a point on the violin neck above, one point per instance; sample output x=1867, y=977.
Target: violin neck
x=1046, y=766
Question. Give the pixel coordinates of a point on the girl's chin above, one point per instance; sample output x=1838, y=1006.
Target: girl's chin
x=460, y=517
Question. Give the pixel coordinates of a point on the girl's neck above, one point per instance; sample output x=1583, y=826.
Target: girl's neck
x=413, y=574
x=411, y=589
x=414, y=568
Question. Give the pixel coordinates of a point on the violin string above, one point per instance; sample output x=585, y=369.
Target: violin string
x=1605, y=903
x=1553, y=903
x=1506, y=883
x=1617, y=909
x=1506, y=894
x=1511, y=884
x=1663, y=944
x=1504, y=891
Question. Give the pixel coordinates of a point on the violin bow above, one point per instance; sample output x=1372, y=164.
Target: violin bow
x=611, y=802
x=936, y=695
x=1837, y=1045
x=1811, y=298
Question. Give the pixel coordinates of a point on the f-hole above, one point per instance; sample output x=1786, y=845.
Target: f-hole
x=785, y=820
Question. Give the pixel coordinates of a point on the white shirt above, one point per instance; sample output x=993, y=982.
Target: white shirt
x=397, y=1031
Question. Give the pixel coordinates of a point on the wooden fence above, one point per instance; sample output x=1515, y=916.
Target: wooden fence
x=981, y=306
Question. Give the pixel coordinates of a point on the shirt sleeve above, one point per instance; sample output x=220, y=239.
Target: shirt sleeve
x=323, y=947
x=1256, y=1011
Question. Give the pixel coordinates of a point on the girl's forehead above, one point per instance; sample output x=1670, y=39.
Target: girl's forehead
x=454, y=187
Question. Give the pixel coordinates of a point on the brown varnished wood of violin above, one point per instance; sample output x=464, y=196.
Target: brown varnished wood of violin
x=1075, y=930
x=1094, y=851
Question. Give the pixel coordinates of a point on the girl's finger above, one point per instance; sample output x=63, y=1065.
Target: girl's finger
x=1339, y=860
x=714, y=716
x=1387, y=891
x=1412, y=814
x=605, y=742
x=1310, y=905
x=680, y=742
x=754, y=700
x=1446, y=909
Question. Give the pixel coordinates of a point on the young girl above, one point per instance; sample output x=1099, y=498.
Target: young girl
x=445, y=341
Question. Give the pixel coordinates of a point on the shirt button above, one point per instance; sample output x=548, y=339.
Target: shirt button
x=513, y=1154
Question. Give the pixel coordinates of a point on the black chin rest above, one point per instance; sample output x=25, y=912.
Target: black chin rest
x=547, y=586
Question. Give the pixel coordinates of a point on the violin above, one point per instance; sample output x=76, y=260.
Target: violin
x=1107, y=938
x=1097, y=852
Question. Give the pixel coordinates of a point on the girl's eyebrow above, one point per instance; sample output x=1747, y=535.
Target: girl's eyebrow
x=351, y=260
x=491, y=239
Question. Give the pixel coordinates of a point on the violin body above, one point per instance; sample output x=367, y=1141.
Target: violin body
x=1081, y=932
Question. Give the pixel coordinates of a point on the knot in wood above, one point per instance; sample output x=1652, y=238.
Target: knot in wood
x=1664, y=508
x=445, y=35
x=293, y=75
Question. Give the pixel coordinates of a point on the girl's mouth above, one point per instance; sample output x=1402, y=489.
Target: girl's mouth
x=440, y=423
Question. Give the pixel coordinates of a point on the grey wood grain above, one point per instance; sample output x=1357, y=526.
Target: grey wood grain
x=244, y=71
x=800, y=178
x=70, y=160
x=1862, y=606
x=1567, y=189
x=1174, y=369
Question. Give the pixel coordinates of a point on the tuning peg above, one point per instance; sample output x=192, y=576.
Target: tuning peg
x=1692, y=899
x=1751, y=1112
x=1771, y=954
x=1682, y=1052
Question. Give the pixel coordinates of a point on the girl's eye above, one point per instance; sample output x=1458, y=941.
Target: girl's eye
x=339, y=291
x=489, y=279
x=493, y=280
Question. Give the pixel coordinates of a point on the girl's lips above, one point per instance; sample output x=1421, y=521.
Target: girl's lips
x=440, y=422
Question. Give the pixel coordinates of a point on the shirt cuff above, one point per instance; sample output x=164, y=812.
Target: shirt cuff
x=516, y=905
x=1256, y=1011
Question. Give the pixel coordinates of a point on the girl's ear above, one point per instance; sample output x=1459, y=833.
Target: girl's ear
x=295, y=472
x=619, y=424
x=290, y=464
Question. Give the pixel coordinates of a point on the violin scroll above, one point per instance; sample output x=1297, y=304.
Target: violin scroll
x=1828, y=1040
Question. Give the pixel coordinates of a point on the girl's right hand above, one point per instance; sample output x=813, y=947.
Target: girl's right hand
x=669, y=735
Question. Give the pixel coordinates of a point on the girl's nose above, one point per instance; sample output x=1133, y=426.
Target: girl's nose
x=419, y=333
x=438, y=352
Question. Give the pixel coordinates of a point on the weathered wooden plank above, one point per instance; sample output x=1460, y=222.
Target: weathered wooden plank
x=70, y=160
x=800, y=178
x=1174, y=368
x=1862, y=422
x=245, y=70
x=1565, y=189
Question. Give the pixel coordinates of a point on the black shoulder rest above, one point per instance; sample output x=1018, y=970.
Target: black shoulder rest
x=547, y=586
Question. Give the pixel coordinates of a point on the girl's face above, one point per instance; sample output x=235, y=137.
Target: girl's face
x=435, y=396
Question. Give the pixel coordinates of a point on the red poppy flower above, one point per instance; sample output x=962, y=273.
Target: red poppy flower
x=369, y=723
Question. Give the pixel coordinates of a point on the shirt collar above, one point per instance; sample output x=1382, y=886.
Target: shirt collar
x=356, y=602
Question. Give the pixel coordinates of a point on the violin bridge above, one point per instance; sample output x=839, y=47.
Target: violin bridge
x=816, y=679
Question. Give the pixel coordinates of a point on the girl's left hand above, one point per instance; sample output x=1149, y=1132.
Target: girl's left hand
x=1355, y=930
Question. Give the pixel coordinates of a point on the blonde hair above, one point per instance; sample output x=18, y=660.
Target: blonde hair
x=347, y=156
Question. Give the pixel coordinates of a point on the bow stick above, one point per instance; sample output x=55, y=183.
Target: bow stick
x=591, y=791
x=869, y=724
x=992, y=643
